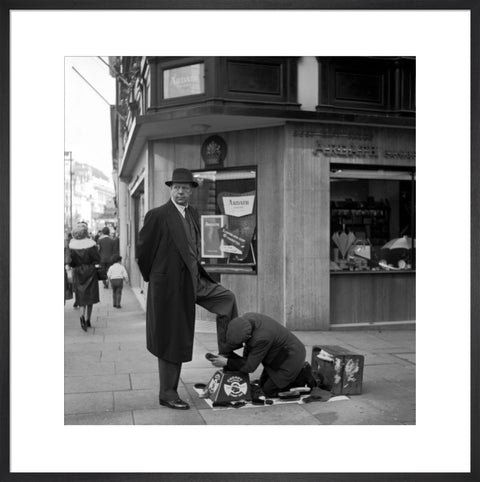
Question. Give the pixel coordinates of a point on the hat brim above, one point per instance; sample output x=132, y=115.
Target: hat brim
x=192, y=183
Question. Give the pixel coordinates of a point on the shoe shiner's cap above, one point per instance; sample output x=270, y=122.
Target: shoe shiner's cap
x=239, y=330
x=182, y=175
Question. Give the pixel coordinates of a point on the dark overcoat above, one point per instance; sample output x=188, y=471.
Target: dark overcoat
x=106, y=247
x=164, y=261
x=280, y=352
x=83, y=258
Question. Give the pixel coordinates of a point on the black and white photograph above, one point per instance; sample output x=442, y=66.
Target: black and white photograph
x=266, y=232
x=262, y=210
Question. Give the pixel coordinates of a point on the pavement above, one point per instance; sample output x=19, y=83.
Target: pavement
x=111, y=379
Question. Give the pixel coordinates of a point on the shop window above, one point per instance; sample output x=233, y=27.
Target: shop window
x=184, y=81
x=226, y=200
x=372, y=219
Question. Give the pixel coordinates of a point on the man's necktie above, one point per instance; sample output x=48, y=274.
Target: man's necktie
x=191, y=225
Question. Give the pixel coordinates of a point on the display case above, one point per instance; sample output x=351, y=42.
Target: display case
x=372, y=220
x=227, y=203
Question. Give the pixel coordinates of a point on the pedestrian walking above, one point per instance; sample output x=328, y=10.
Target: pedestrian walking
x=117, y=274
x=106, y=247
x=67, y=270
x=168, y=252
x=83, y=258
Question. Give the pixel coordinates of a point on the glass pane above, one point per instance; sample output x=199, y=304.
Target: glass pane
x=227, y=204
x=183, y=81
x=372, y=221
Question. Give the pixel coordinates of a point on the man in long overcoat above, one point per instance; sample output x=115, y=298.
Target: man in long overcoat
x=168, y=254
x=106, y=247
x=267, y=342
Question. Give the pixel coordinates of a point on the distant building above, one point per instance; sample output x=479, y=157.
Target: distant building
x=92, y=196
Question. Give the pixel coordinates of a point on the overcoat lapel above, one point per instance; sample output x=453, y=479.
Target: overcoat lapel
x=177, y=232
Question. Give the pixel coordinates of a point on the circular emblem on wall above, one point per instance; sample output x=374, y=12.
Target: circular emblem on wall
x=214, y=151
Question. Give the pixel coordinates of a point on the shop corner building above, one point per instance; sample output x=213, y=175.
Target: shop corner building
x=306, y=168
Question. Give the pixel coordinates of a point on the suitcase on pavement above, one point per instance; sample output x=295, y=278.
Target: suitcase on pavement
x=337, y=369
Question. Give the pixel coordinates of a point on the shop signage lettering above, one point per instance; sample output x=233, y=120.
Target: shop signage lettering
x=410, y=155
x=337, y=150
x=335, y=132
x=181, y=81
x=238, y=206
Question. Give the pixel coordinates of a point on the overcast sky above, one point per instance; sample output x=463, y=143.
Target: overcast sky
x=87, y=115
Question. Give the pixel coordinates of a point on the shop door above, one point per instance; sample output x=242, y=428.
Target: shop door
x=138, y=217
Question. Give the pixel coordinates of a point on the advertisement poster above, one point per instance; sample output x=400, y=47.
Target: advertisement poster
x=212, y=242
x=237, y=234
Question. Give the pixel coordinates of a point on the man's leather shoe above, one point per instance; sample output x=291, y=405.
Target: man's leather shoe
x=177, y=404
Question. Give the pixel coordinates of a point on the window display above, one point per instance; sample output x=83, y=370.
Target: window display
x=372, y=219
x=227, y=204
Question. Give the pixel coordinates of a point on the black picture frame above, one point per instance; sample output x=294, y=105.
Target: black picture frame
x=5, y=267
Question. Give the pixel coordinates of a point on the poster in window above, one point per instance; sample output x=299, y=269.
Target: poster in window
x=237, y=234
x=212, y=242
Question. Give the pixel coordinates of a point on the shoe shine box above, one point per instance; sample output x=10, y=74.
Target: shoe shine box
x=229, y=387
x=338, y=369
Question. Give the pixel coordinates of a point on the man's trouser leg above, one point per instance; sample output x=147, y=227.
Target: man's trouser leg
x=116, y=291
x=268, y=387
x=105, y=266
x=169, y=373
x=217, y=299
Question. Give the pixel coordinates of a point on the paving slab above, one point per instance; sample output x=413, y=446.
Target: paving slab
x=348, y=412
x=84, y=347
x=100, y=418
x=90, y=356
x=167, y=416
x=135, y=366
x=133, y=345
x=76, y=403
x=285, y=414
x=127, y=355
x=135, y=400
x=96, y=383
x=379, y=359
x=83, y=337
x=124, y=337
x=392, y=373
x=411, y=357
x=80, y=367
x=145, y=380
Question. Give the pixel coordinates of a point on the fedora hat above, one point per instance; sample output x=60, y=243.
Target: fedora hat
x=182, y=175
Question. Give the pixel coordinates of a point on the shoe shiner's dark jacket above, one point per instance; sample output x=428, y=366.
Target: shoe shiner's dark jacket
x=267, y=342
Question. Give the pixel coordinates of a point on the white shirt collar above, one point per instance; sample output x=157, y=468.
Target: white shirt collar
x=181, y=209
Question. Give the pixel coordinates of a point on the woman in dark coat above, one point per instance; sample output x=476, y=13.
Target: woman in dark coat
x=84, y=256
x=267, y=342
